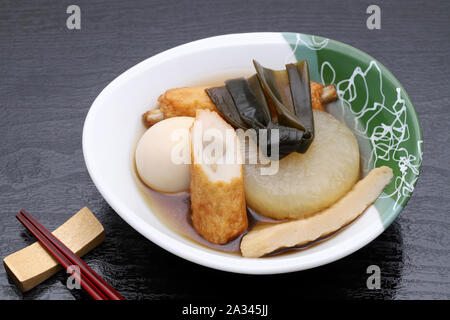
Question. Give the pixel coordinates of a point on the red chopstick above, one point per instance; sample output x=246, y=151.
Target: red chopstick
x=98, y=288
x=84, y=268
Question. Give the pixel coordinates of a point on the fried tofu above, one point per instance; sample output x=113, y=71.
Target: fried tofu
x=217, y=184
x=316, y=96
x=185, y=102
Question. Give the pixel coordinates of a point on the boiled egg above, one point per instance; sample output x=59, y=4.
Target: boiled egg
x=163, y=155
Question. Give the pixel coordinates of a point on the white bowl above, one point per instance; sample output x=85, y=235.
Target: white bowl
x=113, y=126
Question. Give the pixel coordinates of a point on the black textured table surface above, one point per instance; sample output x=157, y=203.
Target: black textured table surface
x=49, y=76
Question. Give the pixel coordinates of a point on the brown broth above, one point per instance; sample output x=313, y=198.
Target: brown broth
x=174, y=210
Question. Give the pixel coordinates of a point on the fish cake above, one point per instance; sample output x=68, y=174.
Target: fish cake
x=217, y=186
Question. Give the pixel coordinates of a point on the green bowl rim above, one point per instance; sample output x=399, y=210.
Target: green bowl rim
x=357, y=53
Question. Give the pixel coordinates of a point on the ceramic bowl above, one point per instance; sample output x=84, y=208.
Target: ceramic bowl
x=371, y=101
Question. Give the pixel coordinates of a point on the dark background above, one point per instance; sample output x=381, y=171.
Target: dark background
x=49, y=76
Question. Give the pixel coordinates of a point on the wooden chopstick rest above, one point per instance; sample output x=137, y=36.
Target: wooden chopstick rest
x=32, y=265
